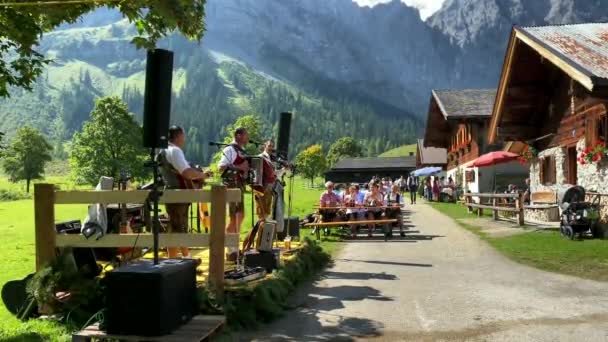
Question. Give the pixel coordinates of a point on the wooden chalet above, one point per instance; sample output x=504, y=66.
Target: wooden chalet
x=457, y=121
x=430, y=156
x=552, y=100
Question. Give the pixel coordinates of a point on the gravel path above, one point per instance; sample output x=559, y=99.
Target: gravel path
x=439, y=283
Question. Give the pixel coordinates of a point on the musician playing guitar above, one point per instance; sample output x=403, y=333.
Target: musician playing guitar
x=234, y=167
x=177, y=173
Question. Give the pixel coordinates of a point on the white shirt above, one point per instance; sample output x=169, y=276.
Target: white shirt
x=229, y=155
x=175, y=157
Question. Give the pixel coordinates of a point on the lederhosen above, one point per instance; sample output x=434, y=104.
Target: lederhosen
x=178, y=212
x=393, y=212
x=237, y=181
x=264, y=207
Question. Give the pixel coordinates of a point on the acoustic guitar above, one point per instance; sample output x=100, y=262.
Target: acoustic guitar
x=203, y=208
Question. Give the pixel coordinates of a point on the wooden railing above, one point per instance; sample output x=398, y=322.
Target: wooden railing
x=496, y=203
x=47, y=240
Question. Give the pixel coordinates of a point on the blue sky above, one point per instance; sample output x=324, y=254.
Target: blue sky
x=426, y=7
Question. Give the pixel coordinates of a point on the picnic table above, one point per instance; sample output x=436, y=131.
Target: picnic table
x=317, y=225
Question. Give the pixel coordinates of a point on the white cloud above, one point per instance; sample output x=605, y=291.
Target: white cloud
x=426, y=7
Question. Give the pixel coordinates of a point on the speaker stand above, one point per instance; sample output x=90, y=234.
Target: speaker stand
x=153, y=198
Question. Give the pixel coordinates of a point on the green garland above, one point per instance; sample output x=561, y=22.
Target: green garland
x=248, y=306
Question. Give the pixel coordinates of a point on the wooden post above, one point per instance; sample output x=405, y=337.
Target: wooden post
x=519, y=204
x=217, y=240
x=467, y=200
x=495, y=210
x=44, y=218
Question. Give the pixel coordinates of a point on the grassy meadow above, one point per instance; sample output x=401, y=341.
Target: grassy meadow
x=401, y=151
x=546, y=250
x=17, y=253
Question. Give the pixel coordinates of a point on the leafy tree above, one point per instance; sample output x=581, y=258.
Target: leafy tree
x=22, y=26
x=110, y=142
x=311, y=162
x=343, y=147
x=25, y=158
x=255, y=127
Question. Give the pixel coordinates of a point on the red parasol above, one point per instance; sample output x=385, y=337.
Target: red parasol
x=494, y=158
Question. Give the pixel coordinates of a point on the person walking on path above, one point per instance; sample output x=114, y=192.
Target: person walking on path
x=412, y=186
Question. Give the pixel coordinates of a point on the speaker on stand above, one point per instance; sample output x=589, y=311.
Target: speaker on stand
x=152, y=298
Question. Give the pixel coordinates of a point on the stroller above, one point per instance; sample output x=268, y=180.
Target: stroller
x=578, y=217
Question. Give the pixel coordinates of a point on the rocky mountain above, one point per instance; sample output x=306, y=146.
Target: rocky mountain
x=372, y=66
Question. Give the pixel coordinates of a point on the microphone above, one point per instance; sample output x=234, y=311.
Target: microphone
x=213, y=143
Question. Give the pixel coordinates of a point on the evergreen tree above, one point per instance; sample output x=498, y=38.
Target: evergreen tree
x=26, y=157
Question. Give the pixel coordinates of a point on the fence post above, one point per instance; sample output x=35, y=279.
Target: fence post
x=495, y=210
x=519, y=204
x=44, y=220
x=217, y=241
x=467, y=200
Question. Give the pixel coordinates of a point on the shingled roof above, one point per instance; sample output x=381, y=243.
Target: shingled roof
x=583, y=47
x=465, y=103
x=432, y=155
x=376, y=163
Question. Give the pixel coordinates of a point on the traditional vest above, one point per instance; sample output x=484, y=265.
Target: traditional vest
x=270, y=175
x=168, y=172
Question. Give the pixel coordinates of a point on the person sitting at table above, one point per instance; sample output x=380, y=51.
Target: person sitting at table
x=393, y=201
x=352, y=200
x=373, y=199
x=329, y=199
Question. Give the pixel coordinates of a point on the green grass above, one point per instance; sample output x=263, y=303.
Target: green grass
x=545, y=250
x=17, y=254
x=401, y=151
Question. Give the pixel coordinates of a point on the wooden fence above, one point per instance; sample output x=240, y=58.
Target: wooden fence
x=497, y=202
x=47, y=240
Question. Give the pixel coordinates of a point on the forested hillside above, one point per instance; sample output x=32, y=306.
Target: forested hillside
x=210, y=94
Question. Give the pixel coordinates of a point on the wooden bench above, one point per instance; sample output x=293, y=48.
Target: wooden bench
x=512, y=203
x=543, y=207
x=318, y=225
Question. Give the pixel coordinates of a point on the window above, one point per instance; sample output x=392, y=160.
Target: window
x=547, y=170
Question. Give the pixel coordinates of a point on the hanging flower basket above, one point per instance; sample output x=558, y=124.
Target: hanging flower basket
x=527, y=154
x=593, y=154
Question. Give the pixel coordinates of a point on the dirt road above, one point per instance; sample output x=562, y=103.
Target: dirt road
x=440, y=283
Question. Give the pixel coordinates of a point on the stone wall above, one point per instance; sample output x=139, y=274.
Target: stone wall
x=593, y=177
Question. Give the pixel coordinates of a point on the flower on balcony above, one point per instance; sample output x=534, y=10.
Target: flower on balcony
x=592, y=154
x=527, y=154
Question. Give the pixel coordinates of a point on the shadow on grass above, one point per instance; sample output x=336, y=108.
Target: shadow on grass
x=26, y=337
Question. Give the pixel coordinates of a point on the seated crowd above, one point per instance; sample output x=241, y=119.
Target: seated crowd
x=380, y=200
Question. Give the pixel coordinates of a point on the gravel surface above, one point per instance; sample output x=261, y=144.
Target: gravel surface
x=440, y=283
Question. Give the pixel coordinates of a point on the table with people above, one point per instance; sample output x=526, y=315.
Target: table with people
x=377, y=206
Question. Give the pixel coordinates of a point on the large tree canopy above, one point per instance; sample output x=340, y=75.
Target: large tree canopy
x=342, y=148
x=110, y=142
x=22, y=24
x=311, y=162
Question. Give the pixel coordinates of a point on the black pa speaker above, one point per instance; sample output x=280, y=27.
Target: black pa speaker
x=283, y=136
x=292, y=224
x=150, y=300
x=157, y=98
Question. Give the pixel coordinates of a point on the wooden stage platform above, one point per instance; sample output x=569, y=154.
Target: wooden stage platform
x=200, y=328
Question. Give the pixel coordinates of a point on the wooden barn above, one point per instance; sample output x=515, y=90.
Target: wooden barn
x=458, y=121
x=361, y=170
x=551, y=102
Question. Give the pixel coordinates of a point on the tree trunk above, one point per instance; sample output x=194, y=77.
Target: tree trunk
x=27, y=186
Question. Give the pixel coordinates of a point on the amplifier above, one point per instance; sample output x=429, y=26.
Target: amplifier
x=268, y=260
x=150, y=300
x=292, y=225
